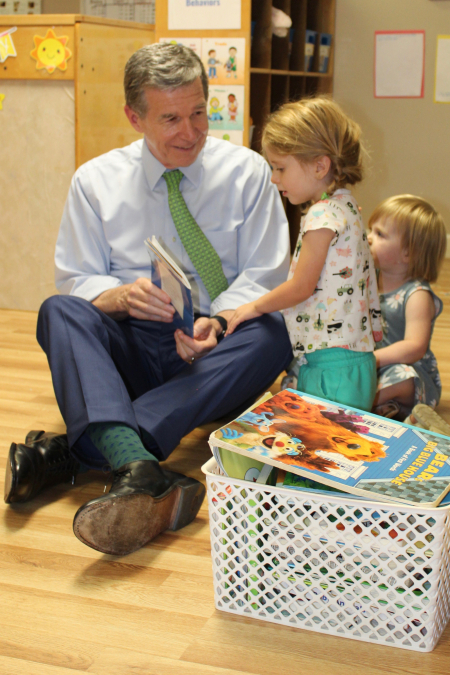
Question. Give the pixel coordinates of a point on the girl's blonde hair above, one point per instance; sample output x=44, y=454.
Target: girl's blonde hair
x=313, y=127
x=422, y=231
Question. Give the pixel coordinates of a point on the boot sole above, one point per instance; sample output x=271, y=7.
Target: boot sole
x=119, y=525
x=10, y=476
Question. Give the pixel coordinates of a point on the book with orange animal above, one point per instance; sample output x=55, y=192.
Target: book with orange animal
x=341, y=447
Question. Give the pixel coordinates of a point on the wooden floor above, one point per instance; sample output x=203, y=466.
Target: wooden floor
x=66, y=608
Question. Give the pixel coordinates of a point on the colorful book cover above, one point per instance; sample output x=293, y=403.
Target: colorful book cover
x=168, y=276
x=342, y=447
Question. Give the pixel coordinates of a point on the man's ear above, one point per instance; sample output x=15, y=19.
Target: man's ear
x=323, y=165
x=133, y=119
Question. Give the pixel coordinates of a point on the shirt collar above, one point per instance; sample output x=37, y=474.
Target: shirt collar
x=341, y=191
x=154, y=169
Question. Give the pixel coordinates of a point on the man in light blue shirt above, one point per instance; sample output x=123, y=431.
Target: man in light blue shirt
x=128, y=385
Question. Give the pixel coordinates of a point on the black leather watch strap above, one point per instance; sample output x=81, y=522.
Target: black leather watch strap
x=224, y=323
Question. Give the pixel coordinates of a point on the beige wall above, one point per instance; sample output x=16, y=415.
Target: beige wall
x=38, y=160
x=409, y=139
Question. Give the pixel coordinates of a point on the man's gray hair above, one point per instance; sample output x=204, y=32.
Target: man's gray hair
x=160, y=66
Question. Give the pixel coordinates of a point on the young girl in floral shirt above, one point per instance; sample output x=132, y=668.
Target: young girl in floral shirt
x=330, y=299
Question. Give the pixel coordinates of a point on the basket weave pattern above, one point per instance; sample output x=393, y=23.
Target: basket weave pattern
x=348, y=567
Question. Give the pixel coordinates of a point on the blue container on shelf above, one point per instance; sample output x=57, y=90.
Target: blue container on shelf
x=310, y=43
x=291, y=39
x=324, y=52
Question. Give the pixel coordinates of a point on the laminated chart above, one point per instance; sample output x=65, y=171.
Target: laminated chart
x=142, y=11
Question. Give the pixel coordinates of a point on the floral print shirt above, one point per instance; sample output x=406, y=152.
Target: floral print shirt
x=344, y=310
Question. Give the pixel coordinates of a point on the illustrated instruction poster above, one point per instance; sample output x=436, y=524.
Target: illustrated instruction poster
x=224, y=60
x=399, y=64
x=204, y=14
x=442, y=81
x=226, y=108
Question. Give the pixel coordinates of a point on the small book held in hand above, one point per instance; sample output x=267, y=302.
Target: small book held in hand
x=168, y=276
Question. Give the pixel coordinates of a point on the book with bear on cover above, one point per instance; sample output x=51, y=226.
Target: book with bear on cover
x=342, y=447
x=168, y=276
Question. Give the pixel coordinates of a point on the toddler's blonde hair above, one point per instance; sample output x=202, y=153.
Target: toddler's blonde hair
x=313, y=127
x=422, y=230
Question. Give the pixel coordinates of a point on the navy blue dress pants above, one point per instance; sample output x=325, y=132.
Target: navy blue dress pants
x=129, y=372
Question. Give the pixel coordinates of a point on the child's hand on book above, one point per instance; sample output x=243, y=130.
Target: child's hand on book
x=243, y=313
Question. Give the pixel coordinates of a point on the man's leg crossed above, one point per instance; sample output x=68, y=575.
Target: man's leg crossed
x=229, y=377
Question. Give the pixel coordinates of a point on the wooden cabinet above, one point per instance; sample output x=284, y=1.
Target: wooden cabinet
x=51, y=121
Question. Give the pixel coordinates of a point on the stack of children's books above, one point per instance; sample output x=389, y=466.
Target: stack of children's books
x=295, y=440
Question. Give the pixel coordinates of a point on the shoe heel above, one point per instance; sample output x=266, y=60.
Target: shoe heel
x=10, y=480
x=190, y=497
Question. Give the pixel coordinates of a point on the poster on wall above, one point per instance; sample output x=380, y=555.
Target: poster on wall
x=204, y=14
x=124, y=10
x=226, y=108
x=399, y=64
x=224, y=60
x=442, y=78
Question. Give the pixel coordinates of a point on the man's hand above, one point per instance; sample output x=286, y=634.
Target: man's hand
x=243, y=313
x=141, y=300
x=204, y=340
x=206, y=331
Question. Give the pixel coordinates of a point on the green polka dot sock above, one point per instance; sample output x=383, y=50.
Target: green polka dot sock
x=118, y=443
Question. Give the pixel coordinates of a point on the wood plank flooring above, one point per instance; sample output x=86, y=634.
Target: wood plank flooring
x=66, y=608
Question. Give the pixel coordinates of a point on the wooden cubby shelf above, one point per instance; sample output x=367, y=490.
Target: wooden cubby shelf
x=277, y=65
x=292, y=73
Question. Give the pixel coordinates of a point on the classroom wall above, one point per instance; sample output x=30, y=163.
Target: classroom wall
x=408, y=139
x=38, y=161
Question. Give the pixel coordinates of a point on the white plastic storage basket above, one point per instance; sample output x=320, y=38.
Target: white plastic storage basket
x=365, y=570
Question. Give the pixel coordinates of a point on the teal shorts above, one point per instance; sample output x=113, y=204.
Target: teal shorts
x=340, y=375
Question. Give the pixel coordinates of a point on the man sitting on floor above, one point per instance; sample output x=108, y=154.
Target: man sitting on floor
x=129, y=387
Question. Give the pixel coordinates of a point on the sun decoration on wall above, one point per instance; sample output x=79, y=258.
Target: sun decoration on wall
x=51, y=52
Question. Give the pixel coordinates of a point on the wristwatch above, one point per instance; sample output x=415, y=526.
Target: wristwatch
x=224, y=323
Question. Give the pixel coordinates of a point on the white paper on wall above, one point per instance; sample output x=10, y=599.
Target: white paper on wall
x=124, y=10
x=399, y=64
x=204, y=14
x=442, y=81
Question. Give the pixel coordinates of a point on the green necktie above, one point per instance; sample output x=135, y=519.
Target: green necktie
x=198, y=247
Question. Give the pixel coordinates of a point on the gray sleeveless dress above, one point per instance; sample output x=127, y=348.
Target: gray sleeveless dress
x=425, y=371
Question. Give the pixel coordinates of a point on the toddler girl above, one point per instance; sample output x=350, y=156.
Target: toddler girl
x=330, y=299
x=408, y=242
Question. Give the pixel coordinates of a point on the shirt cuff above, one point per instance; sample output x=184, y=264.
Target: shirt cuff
x=89, y=288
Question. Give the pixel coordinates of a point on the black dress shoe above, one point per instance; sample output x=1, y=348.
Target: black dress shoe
x=144, y=500
x=42, y=461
